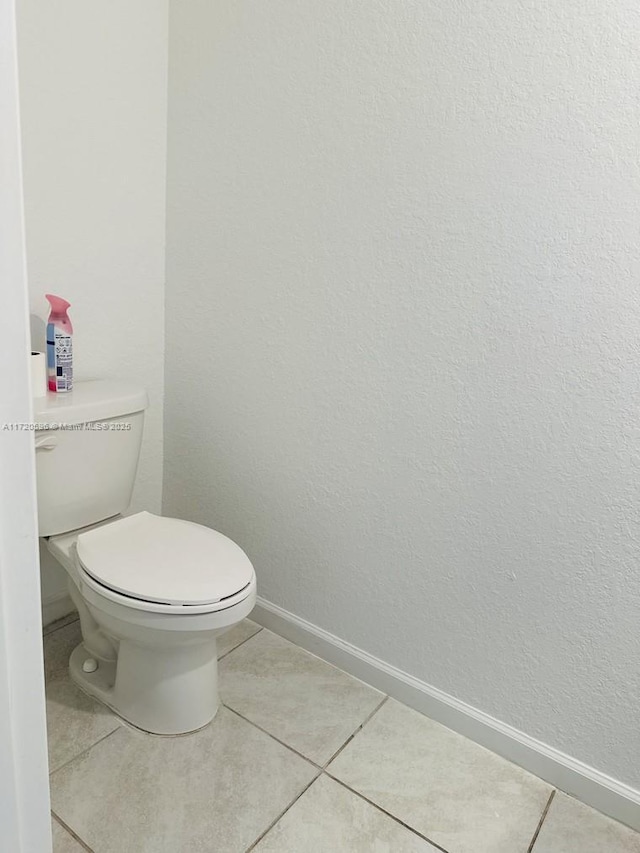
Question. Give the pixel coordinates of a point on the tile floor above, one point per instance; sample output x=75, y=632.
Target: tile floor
x=301, y=758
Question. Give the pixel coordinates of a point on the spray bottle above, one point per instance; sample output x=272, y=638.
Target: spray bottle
x=59, y=345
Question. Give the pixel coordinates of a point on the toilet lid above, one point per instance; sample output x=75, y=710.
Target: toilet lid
x=164, y=560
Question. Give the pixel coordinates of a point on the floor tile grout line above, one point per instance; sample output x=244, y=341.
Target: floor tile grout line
x=88, y=749
x=543, y=817
x=356, y=732
x=283, y=813
x=50, y=631
x=71, y=832
x=273, y=737
x=241, y=643
x=288, y=746
x=387, y=813
x=292, y=748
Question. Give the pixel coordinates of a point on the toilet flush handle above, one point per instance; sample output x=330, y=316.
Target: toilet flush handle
x=48, y=441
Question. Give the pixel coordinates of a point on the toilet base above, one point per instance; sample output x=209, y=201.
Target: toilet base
x=154, y=692
x=98, y=684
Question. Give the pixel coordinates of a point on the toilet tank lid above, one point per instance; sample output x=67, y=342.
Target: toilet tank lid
x=91, y=400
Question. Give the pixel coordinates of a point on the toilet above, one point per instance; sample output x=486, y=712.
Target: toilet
x=153, y=593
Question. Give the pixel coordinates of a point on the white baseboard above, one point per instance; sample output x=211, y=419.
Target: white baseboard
x=55, y=607
x=592, y=787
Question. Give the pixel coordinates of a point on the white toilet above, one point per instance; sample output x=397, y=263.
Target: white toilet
x=153, y=593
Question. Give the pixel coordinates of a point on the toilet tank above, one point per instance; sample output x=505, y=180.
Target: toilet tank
x=87, y=448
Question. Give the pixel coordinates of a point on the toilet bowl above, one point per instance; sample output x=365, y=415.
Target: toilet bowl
x=153, y=593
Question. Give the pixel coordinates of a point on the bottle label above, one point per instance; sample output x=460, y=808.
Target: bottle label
x=59, y=359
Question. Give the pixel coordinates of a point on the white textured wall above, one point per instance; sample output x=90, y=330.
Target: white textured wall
x=93, y=83
x=402, y=342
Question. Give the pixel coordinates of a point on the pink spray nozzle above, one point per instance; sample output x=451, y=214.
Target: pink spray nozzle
x=59, y=312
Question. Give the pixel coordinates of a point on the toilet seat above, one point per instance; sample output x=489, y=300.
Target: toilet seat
x=164, y=565
x=172, y=614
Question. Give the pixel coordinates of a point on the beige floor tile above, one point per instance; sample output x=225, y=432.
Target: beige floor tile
x=461, y=796
x=62, y=841
x=307, y=703
x=60, y=623
x=74, y=721
x=58, y=646
x=329, y=819
x=215, y=790
x=572, y=827
x=236, y=635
